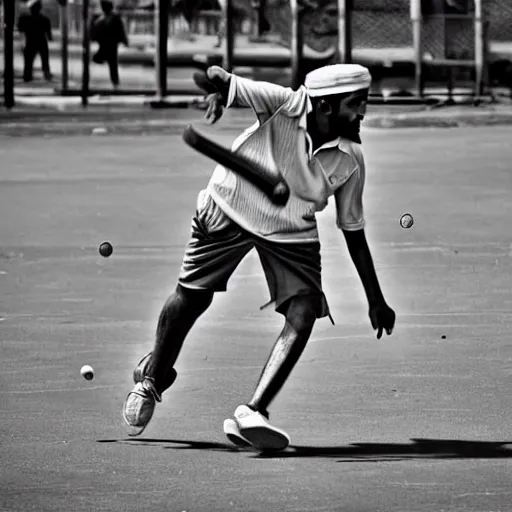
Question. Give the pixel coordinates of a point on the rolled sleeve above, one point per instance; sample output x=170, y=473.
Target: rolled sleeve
x=349, y=202
x=262, y=97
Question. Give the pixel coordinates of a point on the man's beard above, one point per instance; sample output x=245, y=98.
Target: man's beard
x=349, y=129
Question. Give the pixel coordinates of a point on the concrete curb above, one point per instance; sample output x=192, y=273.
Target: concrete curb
x=64, y=103
x=147, y=127
x=439, y=121
x=132, y=115
x=97, y=128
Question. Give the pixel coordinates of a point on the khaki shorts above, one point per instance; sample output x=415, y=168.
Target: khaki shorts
x=218, y=245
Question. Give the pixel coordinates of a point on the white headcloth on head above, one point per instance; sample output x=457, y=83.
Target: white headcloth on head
x=337, y=79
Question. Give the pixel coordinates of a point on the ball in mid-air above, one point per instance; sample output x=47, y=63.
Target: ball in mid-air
x=87, y=372
x=106, y=249
x=406, y=220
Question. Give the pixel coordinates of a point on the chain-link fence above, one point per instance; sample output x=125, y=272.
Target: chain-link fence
x=499, y=16
x=449, y=37
x=376, y=24
x=448, y=32
x=381, y=24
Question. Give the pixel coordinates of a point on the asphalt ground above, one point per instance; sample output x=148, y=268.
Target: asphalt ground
x=416, y=422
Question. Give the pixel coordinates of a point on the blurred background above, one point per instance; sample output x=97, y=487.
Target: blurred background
x=414, y=48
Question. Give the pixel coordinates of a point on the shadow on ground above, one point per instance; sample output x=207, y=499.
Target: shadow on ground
x=358, y=452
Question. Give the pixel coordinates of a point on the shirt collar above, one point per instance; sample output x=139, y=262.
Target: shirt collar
x=342, y=144
x=337, y=142
x=328, y=145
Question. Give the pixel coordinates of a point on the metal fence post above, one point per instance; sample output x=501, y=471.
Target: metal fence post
x=64, y=28
x=479, y=49
x=296, y=46
x=8, y=53
x=416, y=21
x=344, y=31
x=86, y=49
x=229, y=29
x=162, y=35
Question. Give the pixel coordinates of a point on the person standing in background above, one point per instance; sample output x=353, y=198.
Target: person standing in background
x=108, y=31
x=37, y=29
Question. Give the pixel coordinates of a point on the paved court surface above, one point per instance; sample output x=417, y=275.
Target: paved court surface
x=419, y=421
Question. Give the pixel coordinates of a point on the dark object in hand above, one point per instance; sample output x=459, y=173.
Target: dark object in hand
x=275, y=188
x=204, y=83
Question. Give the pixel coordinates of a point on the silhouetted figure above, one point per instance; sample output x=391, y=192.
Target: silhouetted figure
x=108, y=31
x=263, y=26
x=37, y=29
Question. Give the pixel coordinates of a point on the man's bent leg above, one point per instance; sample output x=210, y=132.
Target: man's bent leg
x=251, y=425
x=180, y=312
x=300, y=319
x=178, y=315
x=293, y=273
x=215, y=249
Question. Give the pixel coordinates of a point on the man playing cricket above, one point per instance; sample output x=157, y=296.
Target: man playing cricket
x=311, y=137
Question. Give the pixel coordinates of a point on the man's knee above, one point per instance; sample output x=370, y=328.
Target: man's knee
x=184, y=305
x=194, y=299
x=302, y=312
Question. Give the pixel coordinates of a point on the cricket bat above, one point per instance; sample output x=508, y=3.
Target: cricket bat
x=275, y=188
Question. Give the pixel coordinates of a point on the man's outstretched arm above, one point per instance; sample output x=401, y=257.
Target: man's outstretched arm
x=228, y=90
x=381, y=315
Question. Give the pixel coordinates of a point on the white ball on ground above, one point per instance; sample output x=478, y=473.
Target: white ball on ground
x=87, y=372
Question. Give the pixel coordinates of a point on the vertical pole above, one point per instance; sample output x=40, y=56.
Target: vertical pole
x=416, y=21
x=85, y=52
x=479, y=49
x=8, y=53
x=451, y=84
x=255, y=18
x=296, y=46
x=227, y=16
x=345, y=31
x=262, y=6
x=162, y=35
x=64, y=28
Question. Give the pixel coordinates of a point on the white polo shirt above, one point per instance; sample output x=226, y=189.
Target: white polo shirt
x=279, y=141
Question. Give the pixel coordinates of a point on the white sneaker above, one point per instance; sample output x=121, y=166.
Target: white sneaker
x=254, y=428
x=139, y=406
x=233, y=434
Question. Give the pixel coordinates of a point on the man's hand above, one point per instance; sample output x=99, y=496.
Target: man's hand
x=214, y=108
x=382, y=318
x=215, y=82
x=218, y=76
